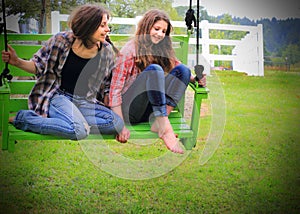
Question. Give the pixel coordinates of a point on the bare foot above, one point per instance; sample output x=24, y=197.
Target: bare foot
x=166, y=133
x=155, y=125
x=171, y=142
x=11, y=119
x=155, y=128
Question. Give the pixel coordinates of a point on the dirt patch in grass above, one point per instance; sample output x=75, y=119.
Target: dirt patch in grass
x=188, y=106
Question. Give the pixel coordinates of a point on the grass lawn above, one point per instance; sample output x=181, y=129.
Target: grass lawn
x=255, y=166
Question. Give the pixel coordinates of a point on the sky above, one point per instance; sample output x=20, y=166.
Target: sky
x=252, y=9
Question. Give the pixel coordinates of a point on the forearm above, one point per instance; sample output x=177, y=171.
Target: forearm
x=124, y=135
x=118, y=111
x=26, y=65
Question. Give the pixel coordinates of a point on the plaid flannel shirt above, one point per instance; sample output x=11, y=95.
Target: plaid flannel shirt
x=124, y=73
x=49, y=61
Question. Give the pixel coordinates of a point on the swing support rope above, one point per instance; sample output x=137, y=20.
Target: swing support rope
x=189, y=19
x=5, y=72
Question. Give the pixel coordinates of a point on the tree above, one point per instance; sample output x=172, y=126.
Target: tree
x=291, y=54
x=22, y=8
x=37, y=9
x=122, y=8
x=133, y=8
x=224, y=34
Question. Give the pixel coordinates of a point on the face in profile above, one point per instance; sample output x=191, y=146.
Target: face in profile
x=102, y=31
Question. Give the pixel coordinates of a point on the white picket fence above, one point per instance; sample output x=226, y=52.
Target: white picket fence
x=247, y=55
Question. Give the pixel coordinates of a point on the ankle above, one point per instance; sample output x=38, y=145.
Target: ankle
x=11, y=119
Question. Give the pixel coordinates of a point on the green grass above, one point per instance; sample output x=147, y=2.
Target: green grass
x=255, y=168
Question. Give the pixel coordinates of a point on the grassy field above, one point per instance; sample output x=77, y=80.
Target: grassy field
x=255, y=167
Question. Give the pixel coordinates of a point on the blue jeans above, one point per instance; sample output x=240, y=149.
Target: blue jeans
x=152, y=91
x=68, y=117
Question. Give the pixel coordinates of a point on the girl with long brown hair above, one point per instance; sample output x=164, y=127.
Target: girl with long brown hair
x=149, y=80
x=73, y=72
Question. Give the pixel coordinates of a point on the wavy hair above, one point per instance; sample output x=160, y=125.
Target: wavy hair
x=146, y=51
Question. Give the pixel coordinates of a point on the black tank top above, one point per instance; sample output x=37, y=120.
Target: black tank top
x=73, y=80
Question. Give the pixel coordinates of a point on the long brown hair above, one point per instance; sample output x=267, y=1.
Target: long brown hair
x=149, y=53
x=85, y=20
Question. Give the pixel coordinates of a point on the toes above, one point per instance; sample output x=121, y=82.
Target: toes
x=177, y=149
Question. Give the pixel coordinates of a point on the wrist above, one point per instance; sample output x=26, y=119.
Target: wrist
x=192, y=79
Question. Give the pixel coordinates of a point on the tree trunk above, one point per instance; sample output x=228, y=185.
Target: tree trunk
x=42, y=16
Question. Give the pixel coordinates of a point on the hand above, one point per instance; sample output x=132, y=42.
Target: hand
x=10, y=56
x=123, y=136
x=202, y=81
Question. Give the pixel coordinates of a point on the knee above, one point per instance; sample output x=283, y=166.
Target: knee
x=184, y=70
x=155, y=69
x=111, y=124
x=183, y=73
